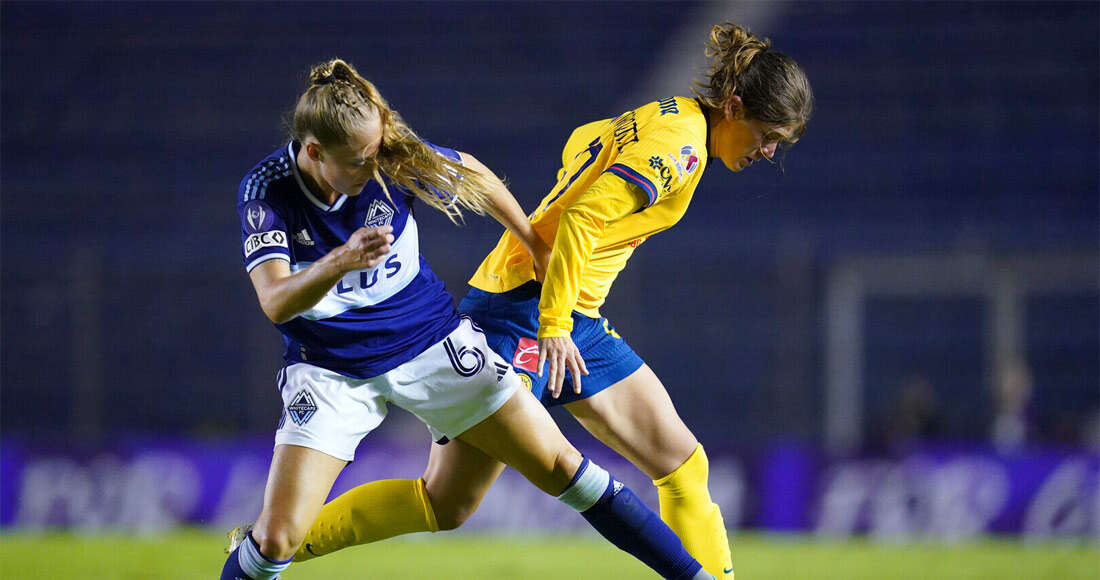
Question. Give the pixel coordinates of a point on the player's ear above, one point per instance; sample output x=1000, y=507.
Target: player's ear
x=734, y=108
x=313, y=150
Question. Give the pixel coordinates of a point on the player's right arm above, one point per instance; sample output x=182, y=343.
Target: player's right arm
x=579, y=230
x=284, y=295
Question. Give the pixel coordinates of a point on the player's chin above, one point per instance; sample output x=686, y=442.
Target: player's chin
x=737, y=164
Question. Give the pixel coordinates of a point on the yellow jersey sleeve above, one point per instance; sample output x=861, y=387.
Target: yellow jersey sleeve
x=621, y=181
x=663, y=157
x=579, y=230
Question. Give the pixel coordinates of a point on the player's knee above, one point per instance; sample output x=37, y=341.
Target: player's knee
x=277, y=542
x=566, y=464
x=454, y=514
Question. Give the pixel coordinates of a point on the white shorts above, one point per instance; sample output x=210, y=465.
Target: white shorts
x=452, y=386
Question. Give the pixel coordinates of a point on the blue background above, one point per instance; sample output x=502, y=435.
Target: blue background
x=940, y=128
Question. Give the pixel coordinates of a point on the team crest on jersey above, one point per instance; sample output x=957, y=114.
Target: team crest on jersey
x=379, y=214
x=301, y=407
x=258, y=216
x=527, y=355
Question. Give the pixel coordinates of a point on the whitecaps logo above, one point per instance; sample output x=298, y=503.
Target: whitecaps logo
x=378, y=214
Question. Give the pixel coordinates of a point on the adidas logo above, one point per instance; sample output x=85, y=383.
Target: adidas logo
x=502, y=370
x=303, y=238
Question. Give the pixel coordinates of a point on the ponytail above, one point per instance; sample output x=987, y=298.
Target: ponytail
x=772, y=87
x=336, y=104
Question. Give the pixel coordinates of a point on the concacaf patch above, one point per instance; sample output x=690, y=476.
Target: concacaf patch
x=258, y=216
x=688, y=158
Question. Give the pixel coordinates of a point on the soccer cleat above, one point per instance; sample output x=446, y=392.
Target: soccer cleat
x=236, y=536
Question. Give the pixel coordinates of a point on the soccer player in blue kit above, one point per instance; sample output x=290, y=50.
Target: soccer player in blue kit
x=330, y=244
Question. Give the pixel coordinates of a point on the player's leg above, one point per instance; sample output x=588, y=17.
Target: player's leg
x=458, y=477
x=325, y=416
x=464, y=391
x=456, y=480
x=636, y=418
x=297, y=484
x=522, y=434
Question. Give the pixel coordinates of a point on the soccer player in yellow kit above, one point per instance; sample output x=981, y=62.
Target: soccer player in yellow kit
x=622, y=180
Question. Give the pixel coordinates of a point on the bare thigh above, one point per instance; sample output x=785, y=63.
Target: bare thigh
x=457, y=478
x=522, y=435
x=636, y=418
x=297, y=485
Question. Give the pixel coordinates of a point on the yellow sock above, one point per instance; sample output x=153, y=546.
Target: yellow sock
x=368, y=513
x=687, y=508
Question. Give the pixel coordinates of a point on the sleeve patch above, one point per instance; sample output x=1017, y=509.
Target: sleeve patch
x=258, y=241
x=258, y=216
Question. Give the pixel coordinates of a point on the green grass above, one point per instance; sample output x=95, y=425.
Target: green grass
x=196, y=555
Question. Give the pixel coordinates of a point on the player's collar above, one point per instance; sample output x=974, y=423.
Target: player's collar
x=305, y=190
x=706, y=120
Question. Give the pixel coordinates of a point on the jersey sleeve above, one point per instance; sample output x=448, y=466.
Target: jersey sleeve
x=660, y=163
x=579, y=229
x=452, y=155
x=263, y=233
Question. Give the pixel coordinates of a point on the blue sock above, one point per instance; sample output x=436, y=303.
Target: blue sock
x=247, y=563
x=618, y=515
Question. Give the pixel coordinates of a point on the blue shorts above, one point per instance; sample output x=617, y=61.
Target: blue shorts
x=510, y=322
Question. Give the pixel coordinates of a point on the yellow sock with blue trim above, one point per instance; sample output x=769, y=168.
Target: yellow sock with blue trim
x=368, y=513
x=687, y=508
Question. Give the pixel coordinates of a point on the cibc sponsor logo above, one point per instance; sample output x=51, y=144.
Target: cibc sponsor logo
x=274, y=238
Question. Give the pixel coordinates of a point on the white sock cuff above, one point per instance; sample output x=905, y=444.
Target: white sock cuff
x=703, y=575
x=587, y=487
x=255, y=564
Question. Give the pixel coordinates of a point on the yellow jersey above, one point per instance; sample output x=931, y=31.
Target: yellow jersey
x=621, y=181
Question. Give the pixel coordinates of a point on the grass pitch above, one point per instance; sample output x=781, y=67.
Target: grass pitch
x=196, y=555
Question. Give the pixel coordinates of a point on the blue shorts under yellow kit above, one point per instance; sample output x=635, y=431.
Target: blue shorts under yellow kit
x=510, y=322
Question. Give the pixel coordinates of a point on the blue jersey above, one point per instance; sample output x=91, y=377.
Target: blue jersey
x=372, y=320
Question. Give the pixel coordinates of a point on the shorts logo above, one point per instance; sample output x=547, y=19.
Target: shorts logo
x=456, y=357
x=607, y=328
x=502, y=370
x=526, y=380
x=271, y=239
x=527, y=355
x=378, y=214
x=301, y=408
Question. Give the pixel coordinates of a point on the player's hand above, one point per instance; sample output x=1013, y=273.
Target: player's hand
x=366, y=247
x=559, y=353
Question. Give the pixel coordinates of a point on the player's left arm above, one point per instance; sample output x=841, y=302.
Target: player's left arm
x=505, y=209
